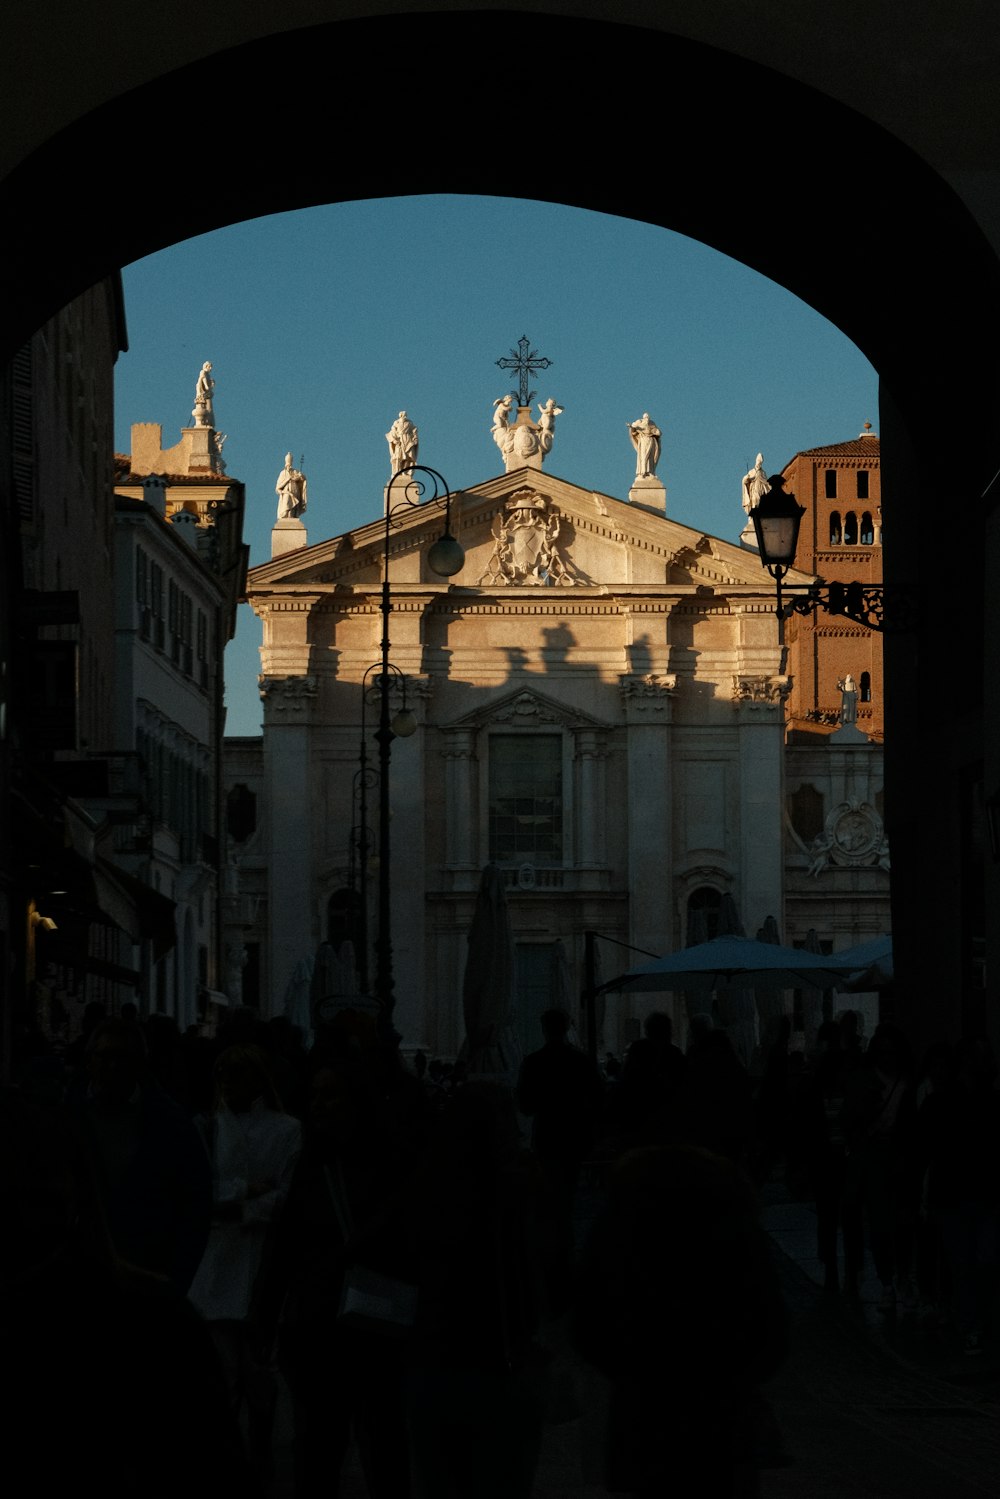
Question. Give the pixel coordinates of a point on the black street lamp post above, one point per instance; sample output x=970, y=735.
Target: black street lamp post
x=776, y=518
x=366, y=777
x=445, y=557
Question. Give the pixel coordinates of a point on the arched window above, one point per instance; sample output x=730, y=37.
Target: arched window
x=343, y=920
x=806, y=812
x=702, y=914
x=241, y=812
x=865, y=687
x=835, y=531
x=850, y=529
x=867, y=530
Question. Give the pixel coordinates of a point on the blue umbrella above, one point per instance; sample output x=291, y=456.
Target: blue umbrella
x=727, y=963
x=873, y=965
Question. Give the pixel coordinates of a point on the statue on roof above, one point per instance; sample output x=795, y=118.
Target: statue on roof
x=502, y=407
x=404, y=440
x=849, y=700
x=525, y=442
x=291, y=491
x=547, y=414
x=755, y=485
x=203, y=414
x=645, y=438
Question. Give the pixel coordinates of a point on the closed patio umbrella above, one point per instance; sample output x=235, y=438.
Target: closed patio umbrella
x=491, y=1048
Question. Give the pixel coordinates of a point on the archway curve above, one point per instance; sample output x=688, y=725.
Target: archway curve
x=346, y=110
x=645, y=125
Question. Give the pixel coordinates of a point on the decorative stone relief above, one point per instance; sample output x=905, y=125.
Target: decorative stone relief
x=527, y=706
x=760, y=691
x=287, y=694
x=650, y=691
x=526, y=549
x=853, y=837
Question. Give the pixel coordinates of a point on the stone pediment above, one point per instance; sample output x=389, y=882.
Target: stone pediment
x=529, y=709
x=526, y=529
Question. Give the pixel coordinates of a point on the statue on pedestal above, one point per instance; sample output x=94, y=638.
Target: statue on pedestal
x=645, y=438
x=404, y=440
x=291, y=491
x=755, y=485
x=203, y=414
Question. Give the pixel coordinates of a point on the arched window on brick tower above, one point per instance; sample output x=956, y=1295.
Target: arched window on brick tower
x=835, y=531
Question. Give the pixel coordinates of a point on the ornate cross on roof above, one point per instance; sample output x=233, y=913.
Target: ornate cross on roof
x=526, y=362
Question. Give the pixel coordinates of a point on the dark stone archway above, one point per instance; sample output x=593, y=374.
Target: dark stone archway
x=803, y=190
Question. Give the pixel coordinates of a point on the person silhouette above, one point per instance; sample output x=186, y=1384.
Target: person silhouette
x=252, y=1144
x=680, y=1308
x=124, y=1357
x=475, y=1394
x=345, y=1381
x=560, y=1089
x=154, y=1180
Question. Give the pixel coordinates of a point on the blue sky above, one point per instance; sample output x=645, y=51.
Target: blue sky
x=323, y=324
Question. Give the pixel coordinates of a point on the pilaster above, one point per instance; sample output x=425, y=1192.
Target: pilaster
x=649, y=796
x=294, y=931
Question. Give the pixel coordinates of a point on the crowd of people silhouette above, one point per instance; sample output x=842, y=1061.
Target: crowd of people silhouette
x=193, y=1213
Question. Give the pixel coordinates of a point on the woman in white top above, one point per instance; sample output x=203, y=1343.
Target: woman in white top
x=253, y=1146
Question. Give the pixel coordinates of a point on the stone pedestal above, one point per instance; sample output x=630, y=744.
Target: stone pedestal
x=287, y=535
x=524, y=448
x=200, y=443
x=650, y=493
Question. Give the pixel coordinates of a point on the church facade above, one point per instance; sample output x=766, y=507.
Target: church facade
x=601, y=710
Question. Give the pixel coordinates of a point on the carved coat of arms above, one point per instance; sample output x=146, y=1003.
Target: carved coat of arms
x=526, y=549
x=852, y=838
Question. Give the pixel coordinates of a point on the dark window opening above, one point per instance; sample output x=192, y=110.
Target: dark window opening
x=343, y=920
x=806, y=812
x=525, y=797
x=831, y=483
x=241, y=813
x=867, y=530
x=865, y=687
x=850, y=529
x=862, y=484
x=835, y=528
x=703, y=907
